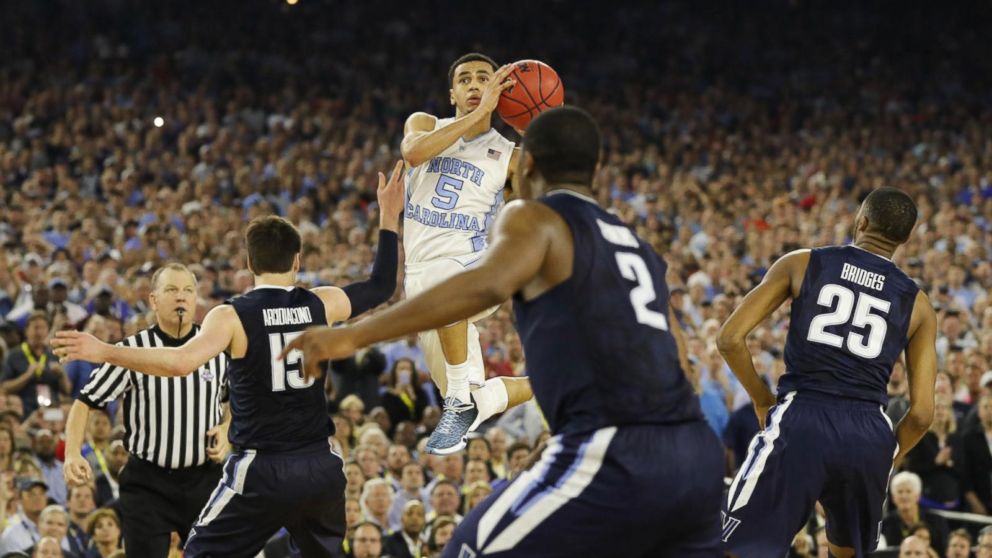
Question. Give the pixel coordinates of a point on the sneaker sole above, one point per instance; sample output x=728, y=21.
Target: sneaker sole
x=447, y=451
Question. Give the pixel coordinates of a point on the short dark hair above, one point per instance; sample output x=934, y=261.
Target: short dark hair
x=470, y=57
x=36, y=315
x=565, y=144
x=517, y=446
x=273, y=243
x=890, y=212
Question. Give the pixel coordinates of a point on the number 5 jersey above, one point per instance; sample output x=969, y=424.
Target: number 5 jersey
x=452, y=199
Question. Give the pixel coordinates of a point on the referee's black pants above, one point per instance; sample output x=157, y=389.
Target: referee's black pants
x=156, y=501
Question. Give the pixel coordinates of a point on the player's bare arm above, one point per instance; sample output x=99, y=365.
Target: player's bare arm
x=338, y=303
x=515, y=259
x=421, y=141
x=215, y=335
x=781, y=282
x=921, y=368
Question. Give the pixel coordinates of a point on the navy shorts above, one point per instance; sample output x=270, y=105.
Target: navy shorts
x=636, y=490
x=814, y=447
x=260, y=493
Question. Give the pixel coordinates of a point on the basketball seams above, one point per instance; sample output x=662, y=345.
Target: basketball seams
x=531, y=104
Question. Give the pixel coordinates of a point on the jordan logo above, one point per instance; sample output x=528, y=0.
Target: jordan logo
x=729, y=525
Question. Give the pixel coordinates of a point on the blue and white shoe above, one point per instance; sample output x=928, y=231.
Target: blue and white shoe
x=449, y=436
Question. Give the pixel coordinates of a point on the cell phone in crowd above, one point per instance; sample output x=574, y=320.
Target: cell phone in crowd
x=53, y=415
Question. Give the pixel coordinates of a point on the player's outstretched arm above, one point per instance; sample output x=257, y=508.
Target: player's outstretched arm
x=764, y=299
x=520, y=241
x=421, y=141
x=921, y=368
x=214, y=337
x=358, y=298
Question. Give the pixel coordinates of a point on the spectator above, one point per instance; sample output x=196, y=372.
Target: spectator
x=906, y=488
x=33, y=372
x=411, y=489
x=104, y=530
x=913, y=547
x=359, y=375
x=81, y=503
x=405, y=542
x=517, y=458
x=475, y=493
x=937, y=459
x=21, y=534
x=977, y=482
x=444, y=501
x=441, y=530
x=51, y=468
x=404, y=399
x=377, y=500
x=108, y=481
x=367, y=541
x=47, y=547
x=54, y=522
x=959, y=545
x=985, y=542
x=355, y=477
x=497, y=441
x=397, y=456
x=353, y=408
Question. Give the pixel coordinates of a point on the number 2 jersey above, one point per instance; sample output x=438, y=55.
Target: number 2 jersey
x=849, y=324
x=452, y=199
x=273, y=408
x=599, y=350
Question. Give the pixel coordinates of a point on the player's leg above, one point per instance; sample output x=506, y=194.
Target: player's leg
x=454, y=346
x=196, y=490
x=238, y=519
x=859, y=467
x=776, y=488
x=318, y=527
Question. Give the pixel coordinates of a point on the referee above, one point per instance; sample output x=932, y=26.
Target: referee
x=176, y=428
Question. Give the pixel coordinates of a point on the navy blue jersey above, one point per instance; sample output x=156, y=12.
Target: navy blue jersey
x=272, y=407
x=599, y=351
x=849, y=324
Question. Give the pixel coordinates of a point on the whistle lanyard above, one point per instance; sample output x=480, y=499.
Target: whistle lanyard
x=41, y=362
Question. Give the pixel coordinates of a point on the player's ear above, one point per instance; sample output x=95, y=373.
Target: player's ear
x=248, y=264
x=451, y=96
x=296, y=263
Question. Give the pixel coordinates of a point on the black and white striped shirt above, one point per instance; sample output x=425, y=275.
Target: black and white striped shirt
x=166, y=419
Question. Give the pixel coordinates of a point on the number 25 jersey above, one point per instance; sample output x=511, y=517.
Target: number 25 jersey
x=849, y=324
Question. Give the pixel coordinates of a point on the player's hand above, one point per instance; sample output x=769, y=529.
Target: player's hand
x=77, y=470
x=75, y=345
x=497, y=85
x=761, y=408
x=218, y=443
x=391, y=198
x=320, y=344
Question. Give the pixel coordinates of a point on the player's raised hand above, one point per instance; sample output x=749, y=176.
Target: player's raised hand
x=320, y=344
x=391, y=198
x=77, y=470
x=75, y=345
x=497, y=85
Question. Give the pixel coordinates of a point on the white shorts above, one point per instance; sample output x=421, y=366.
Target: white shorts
x=422, y=276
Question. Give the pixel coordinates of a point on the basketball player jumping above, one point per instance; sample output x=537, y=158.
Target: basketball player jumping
x=282, y=472
x=457, y=169
x=605, y=357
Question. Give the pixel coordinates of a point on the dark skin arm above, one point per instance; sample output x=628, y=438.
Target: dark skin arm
x=530, y=251
x=921, y=369
x=781, y=282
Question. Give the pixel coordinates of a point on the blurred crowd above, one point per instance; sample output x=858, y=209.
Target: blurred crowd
x=135, y=135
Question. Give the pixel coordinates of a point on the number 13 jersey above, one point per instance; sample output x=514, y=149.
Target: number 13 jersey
x=849, y=324
x=452, y=199
x=273, y=407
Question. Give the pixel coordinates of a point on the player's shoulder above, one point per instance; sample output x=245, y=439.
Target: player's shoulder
x=420, y=122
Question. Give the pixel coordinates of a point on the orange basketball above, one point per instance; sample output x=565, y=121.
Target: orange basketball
x=538, y=89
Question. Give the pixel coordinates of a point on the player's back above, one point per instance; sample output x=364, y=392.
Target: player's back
x=849, y=324
x=273, y=407
x=453, y=198
x=599, y=350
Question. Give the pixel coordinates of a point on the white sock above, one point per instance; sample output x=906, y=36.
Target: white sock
x=458, y=381
x=490, y=399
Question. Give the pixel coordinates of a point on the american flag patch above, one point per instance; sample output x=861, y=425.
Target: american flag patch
x=493, y=154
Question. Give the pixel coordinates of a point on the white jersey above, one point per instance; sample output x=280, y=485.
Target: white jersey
x=452, y=200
